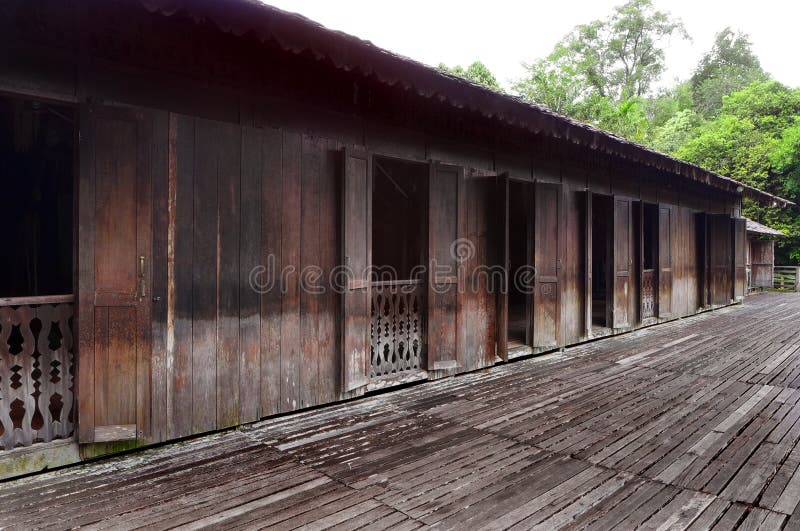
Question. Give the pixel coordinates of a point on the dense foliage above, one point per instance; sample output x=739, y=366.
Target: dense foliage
x=729, y=117
x=477, y=72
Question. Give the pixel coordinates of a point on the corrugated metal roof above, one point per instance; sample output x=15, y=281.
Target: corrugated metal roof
x=757, y=228
x=297, y=34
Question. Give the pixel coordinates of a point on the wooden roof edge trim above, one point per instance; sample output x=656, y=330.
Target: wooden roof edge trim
x=295, y=33
x=754, y=227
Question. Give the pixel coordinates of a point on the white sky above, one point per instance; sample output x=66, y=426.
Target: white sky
x=504, y=33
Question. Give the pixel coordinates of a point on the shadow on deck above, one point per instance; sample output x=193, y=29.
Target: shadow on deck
x=689, y=424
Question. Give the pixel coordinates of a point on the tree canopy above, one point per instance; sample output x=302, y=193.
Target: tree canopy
x=729, y=116
x=618, y=58
x=729, y=66
x=477, y=72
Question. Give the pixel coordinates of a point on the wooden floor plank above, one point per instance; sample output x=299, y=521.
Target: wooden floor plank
x=693, y=424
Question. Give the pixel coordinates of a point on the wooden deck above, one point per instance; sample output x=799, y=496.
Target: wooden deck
x=692, y=424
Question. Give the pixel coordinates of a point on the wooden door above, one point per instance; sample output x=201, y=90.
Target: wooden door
x=445, y=190
x=739, y=258
x=648, y=278
x=114, y=253
x=504, y=260
x=664, y=261
x=762, y=260
x=587, y=230
x=357, y=257
x=720, y=258
x=623, y=261
x=548, y=264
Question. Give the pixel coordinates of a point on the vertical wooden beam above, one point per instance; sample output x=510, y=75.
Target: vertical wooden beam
x=505, y=263
x=249, y=260
x=204, y=277
x=290, y=253
x=271, y=174
x=161, y=230
x=588, y=226
x=310, y=264
x=144, y=245
x=84, y=365
x=180, y=265
x=328, y=326
x=229, y=158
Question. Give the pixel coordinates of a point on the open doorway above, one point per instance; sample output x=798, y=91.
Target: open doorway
x=649, y=259
x=37, y=169
x=520, y=245
x=37, y=145
x=701, y=264
x=602, y=262
x=399, y=254
x=399, y=218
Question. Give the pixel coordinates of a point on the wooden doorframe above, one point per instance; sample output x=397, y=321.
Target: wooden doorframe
x=665, y=270
x=505, y=181
x=702, y=264
x=641, y=257
x=592, y=199
x=503, y=218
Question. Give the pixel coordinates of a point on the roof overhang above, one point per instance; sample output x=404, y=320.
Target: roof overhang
x=754, y=227
x=297, y=34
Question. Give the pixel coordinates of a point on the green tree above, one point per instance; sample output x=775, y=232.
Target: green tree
x=730, y=66
x=669, y=102
x=601, y=72
x=771, y=106
x=555, y=83
x=785, y=160
x=677, y=131
x=477, y=72
x=785, y=157
x=755, y=138
x=616, y=58
x=633, y=47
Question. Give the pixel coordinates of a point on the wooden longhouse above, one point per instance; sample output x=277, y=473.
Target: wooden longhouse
x=219, y=211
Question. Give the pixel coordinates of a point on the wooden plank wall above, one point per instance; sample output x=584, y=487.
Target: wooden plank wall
x=228, y=197
x=245, y=198
x=234, y=197
x=239, y=197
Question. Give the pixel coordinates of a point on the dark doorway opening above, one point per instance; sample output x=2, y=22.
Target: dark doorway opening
x=37, y=171
x=520, y=254
x=399, y=218
x=701, y=265
x=399, y=260
x=602, y=260
x=37, y=168
x=649, y=266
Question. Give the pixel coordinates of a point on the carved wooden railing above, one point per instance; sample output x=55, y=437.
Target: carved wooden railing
x=648, y=293
x=36, y=370
x=397, y=330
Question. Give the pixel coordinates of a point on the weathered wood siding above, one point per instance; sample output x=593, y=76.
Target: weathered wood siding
x=762, y=261
x=242, y=157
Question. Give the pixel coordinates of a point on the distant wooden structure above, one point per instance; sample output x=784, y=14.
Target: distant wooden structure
x=268, y=215
x=760, y=255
